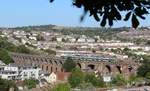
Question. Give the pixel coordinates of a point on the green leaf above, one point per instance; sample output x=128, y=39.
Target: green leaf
x=135, y=22
x=51, y=1
x=127, y=16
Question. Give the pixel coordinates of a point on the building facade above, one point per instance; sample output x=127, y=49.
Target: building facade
x=19, y=72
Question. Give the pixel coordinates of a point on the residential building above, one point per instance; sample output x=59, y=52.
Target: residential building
x=50, y=78
x=19, y=72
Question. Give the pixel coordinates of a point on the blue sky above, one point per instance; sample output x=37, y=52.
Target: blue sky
x=39, y=12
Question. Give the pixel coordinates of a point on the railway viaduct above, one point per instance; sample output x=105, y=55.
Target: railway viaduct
x=54, y=64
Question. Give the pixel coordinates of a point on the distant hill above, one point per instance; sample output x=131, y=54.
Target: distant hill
x=89, y=31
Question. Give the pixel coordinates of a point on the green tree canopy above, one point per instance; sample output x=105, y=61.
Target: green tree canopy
x=4, y=44
x=119, y=80
x=6, y=47
x=145, y=67
x=95, y=81
x=5, y=85
x=76, y=78
x=69, y=64
x=22, y=49
x=40, y=38
x=4, y=56
x=108, y=11
x=31, y=83
x=62, y=87
x=49, y=51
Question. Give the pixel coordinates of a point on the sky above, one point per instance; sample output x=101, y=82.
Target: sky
x=15, y=13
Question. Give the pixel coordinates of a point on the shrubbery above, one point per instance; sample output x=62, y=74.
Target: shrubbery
x=69, y=65
x=77, y=78
x=5, y=85
x=6, y=47
x=62, y=87
x=31, y=83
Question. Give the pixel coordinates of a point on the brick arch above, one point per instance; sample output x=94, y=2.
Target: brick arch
x=56, y=63
x=51, y=62
x=125, y=67
x=61, y=62
x=79, y=65
x=108, y=68
x=119, y=68
x=39, y=61
x=43, y=60
x=46, y=60
x=91, y=66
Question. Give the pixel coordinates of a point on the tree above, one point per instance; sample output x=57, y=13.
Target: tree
x=22, y=49
x=63, y=40
x=5, y=85
x=62, y=87
x=97, y=82
x=143, y=70
x=69, y=64
x=148, y=42
x=4, y=56
x=119, y=80
x=4, y=44
x=31, y=83
x=126, y=49
x=93, y=50
x=87, y=87
x=58, y=47
x=111, y=10
x=54, y=39
x=76, y=78
x=132, y=79
x=145, y=67
x=40, y=38
x=49, y=51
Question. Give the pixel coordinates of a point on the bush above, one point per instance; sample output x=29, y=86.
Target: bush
x=62, y=87
x=145, y=67
x=97, y=82
x=69, y=64
x=4, y=56
x=5, y=85
x=119, y=80
x=4, y=44
x=31, y=83
x=49, y=51
x=76, y=78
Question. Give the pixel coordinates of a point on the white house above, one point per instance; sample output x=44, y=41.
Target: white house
x=81, y=40
x=72, y=40
x=9, y=72
x=90, y=40
x=2, y=63
x=11, y=68
x=32, y=38
x=29, y=72
x=24, y=41
x=146, y=48
x=10, y=75
x=22, y=72
x=59, y=39
x=51, y=78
